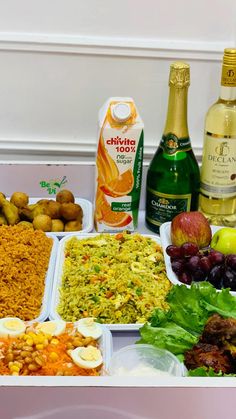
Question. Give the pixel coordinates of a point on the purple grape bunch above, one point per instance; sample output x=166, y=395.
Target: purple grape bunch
x=193, y=264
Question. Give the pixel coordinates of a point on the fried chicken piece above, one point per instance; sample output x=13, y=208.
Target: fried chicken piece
x=218, y=330
x=204, y=354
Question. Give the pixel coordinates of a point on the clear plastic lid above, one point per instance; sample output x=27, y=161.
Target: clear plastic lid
x=145, y=360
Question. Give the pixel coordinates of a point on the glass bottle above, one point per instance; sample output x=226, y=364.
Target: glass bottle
x=218, y=173
x=173, y=177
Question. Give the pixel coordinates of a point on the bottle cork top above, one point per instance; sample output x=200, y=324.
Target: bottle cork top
x=179, y=74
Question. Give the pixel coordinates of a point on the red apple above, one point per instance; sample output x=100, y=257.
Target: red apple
x=192, y=227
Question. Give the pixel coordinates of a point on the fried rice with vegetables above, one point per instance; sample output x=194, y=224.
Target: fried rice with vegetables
x=115, y=278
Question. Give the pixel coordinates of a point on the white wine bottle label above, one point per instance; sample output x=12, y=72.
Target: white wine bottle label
x=218, y=172
x=163, y=207
x=172, y=144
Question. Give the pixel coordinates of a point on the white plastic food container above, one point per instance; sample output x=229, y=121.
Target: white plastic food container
x=87, y=221
x=53, y=315
x=166, y=241
x=44, y=312
x=106, y=347
x=105, y=344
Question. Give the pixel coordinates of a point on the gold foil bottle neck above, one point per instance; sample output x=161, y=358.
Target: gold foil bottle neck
x=229, y=56
x=228, y=76
x=179, y=74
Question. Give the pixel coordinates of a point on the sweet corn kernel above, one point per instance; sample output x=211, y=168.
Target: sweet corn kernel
x=31, y=334
x=53, y=356
x=14, y=368
x=54, y=341
x=40, y=338
x=29, y=341
x=18, y=364
x=39, y=346
x=15, y=373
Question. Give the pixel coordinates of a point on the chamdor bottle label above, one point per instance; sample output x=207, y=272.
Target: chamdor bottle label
x=163, y=207
x=172, y=144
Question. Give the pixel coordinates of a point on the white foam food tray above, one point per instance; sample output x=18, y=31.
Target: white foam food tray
x=106, y=347
x=166, y=241
x=87, y=221
x=53, y=314
x=44, y=312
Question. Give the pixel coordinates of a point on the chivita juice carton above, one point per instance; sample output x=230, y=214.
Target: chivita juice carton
x=118, y=166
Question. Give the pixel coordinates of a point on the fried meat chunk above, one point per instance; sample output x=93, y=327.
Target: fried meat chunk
x=219, y=330
x=208, y=355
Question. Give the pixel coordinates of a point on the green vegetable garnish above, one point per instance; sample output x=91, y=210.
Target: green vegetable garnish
x=179, y=328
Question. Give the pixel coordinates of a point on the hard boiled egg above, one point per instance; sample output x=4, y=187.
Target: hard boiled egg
x=53, y=327
x=89, y=328
x=87, y=357
x=11, y=326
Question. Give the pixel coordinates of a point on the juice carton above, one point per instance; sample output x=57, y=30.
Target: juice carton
x=118, y=166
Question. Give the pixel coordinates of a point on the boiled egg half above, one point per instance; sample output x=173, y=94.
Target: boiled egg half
x=11, y=326
x=53, y=327
x=89, y=328
x=87, y=357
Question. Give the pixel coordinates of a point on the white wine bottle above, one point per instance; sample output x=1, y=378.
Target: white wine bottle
x=218, y=173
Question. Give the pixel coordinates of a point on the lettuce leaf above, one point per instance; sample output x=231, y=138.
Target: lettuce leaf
x=191, y=307
x=171, y=337
x=204, y=372
x=186, y=308
x=178, y=329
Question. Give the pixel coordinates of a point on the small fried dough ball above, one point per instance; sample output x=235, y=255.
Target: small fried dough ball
x=57, y=225
x=42, y=222
x=19, y=199
x=70, y=211
x=65, y=196
x=53, y=209
x=73, y=226
x=26, y=224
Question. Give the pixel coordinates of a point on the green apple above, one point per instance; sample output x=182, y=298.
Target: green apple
x=224, y=240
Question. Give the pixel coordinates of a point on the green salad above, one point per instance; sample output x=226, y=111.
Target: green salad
x=180, y=328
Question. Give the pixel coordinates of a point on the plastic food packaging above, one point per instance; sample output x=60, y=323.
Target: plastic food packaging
x=145, y=360
x=118, y=166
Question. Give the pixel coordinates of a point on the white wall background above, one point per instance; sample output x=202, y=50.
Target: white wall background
x=61, y=59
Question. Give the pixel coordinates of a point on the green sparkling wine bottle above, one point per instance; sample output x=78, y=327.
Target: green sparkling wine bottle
x=173, y=178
